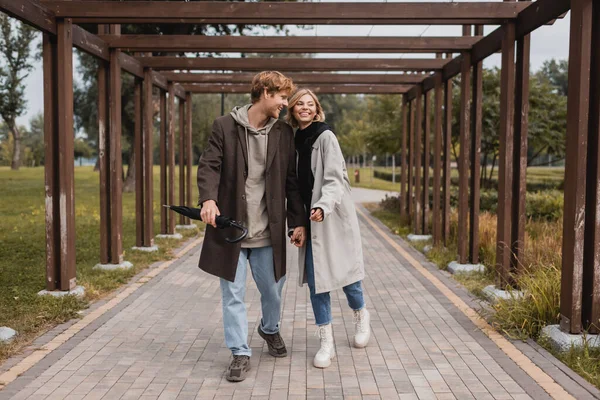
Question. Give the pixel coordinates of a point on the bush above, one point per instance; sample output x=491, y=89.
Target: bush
x=540, y=306
x=546, y=206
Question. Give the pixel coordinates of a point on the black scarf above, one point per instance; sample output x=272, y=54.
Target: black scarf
x=304, y=140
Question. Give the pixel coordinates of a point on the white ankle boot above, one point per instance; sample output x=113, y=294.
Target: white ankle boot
x=327, y=351
x=362, y=328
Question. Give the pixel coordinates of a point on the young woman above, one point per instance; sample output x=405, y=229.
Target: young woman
x=332, y=257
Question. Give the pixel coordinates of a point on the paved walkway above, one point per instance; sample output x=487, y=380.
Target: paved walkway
x=163, y=339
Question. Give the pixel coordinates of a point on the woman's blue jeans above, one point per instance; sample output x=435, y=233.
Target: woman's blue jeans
x=321, y=303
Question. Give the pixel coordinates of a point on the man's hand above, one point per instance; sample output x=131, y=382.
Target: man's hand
x=316, y=214
x=209, y=212
x=298, y=237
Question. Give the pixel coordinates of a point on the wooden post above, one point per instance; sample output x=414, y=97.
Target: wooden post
x=104, y=153
x=60, y=163
x=475, y=153
x=437, y=164
x=426, y=161
x=447, y=143
x=519, y=163
x=139, y=164
x=417, y=227
x=591, y=272
x=411, y=160
x=171, y=157
x=505, y=171
x=162, y=146
x=463, y=160
x=578, y=124
x=188, y=136
x=404, y=165
x=148, y=160
x=182, y=157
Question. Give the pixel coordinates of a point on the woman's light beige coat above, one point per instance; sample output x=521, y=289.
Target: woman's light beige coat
x=336, y=243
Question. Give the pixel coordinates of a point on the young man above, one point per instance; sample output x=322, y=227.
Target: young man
x=247, y=172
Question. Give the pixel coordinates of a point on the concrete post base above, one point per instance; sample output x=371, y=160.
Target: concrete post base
x=418, y=238
x=7, y=334
x=184, y=227
x=112, y=267
x=563, y=341
x=169, y=236
x=455, y=268
x=493, y=294
x=147, y=249
x=78, y=291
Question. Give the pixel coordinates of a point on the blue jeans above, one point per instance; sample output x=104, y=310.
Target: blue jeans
x=321, y=303
x=235, y=319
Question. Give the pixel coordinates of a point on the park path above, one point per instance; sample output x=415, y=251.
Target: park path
x=164, y=340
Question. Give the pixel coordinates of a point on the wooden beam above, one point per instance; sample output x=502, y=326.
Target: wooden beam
x=138, y=154
x=404, y=163
x=463, y=159
x=181, y=158
x=188, y=150
x=417, y=224
x=288, y=44
x=274, y=13
x=437, y=164
x=519, y=217
x=162, y=151
x=411, y=160
x=171, y=154
x=537, y=14
x=426, y=161
x=298, y=78
x=346, y=89
x=475, y=158
x=447, y=145
x=291, y=64
x=505, y=170
x=160, y=81
x=148, y=117
x=578, y=111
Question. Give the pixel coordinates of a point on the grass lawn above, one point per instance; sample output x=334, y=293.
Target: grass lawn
x=22, y=251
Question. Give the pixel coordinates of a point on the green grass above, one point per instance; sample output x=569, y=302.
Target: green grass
x=22, y=251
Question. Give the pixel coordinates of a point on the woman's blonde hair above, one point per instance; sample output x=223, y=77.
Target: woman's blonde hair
x=290, y=119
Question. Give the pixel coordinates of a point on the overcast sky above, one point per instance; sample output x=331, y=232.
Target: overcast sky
x=547, y=42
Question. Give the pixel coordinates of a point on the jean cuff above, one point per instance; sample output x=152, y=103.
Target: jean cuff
x=243, y=353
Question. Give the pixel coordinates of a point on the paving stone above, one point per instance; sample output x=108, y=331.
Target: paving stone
x=165, y=342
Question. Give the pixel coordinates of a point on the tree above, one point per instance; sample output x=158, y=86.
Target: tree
x=557, y=73
x=384, y=118
x=15, y=49
x=33, y=139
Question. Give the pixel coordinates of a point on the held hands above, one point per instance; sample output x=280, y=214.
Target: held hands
x=209, y=212
x=298, y=236
x=316, y=214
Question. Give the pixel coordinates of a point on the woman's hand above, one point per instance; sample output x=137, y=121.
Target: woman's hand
x=316, y=214
x=209, y=212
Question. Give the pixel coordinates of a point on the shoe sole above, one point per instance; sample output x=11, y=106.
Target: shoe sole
x=357, y=346
x=272, y=353
x=324, y=366
x=236, y=378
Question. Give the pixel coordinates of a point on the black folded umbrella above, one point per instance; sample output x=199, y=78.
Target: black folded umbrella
x=222, y=221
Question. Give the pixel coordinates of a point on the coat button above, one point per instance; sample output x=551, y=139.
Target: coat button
x=243, y=197
x=315, y=236
x=245, y=174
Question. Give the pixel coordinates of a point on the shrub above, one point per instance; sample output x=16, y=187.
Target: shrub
x=547, y=206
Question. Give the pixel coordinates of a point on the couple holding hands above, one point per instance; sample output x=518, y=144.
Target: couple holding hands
x=255, y=169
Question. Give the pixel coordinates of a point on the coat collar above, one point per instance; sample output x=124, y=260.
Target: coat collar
x=272, y=144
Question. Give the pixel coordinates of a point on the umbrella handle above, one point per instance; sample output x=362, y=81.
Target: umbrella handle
x=226, y=222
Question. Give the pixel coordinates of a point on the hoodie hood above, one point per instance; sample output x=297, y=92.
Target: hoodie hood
x=240, y=115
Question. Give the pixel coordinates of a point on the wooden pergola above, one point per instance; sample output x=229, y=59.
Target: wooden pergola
x=425, y=83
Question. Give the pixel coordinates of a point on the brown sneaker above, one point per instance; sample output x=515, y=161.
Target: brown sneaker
x=237, y=370
x=275, y=343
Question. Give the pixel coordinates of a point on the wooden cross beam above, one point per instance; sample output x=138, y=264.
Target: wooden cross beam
x=538, y=14
x=299, y=78
x=289, y=44
x=341, y=89
x=278, y=13
x=292, y=64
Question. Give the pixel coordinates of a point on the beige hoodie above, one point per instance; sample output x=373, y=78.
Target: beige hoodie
x=257, y=218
